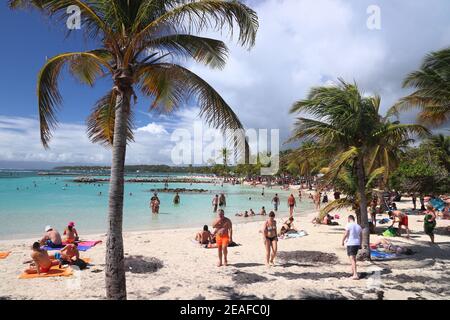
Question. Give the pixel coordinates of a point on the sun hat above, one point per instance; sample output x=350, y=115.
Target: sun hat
x=71, y=224
x=48, y=228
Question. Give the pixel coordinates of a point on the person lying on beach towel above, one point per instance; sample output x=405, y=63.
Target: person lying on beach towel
x=51, y=238
x=42, y=261
x=288, y=226
x=390, y=247
x=204, y=237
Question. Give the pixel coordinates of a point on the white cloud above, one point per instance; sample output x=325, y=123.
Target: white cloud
x=153, y=128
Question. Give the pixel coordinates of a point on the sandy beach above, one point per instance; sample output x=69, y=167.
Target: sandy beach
x=166, y=264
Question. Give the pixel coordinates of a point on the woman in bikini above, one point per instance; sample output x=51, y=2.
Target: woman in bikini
x=270, y=238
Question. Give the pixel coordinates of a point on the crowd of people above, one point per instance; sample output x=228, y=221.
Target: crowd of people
x=67, y=252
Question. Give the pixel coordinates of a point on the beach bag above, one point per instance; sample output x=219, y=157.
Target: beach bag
x=80, y=263
x=390, y=232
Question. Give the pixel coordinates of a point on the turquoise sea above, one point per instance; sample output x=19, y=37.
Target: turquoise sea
x=29, y=202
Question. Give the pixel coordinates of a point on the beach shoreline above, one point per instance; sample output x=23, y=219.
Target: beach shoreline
x=304, y=268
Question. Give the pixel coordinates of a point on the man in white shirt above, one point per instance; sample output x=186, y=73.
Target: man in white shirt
x=352, y=238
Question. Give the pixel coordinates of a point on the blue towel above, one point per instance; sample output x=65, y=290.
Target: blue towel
x=438, y=204
x=382, y=255
x=80, y=248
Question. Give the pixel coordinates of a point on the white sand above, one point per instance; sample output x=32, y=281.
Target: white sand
x=190, y=272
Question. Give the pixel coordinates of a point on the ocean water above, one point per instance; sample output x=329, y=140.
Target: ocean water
x=29, y=202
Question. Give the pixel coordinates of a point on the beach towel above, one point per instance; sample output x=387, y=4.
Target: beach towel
x=55, y=271
x=297, y=234
x=438, y=204
x=378, y=255
x=3, y=255
x=82, y=245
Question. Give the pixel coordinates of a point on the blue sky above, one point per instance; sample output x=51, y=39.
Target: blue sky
x=300, y=43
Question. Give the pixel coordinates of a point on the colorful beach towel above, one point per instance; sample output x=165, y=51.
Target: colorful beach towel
x=82, y=245
x=438, y=204
x=378, y=255
x=3, y=255
x=390, y=232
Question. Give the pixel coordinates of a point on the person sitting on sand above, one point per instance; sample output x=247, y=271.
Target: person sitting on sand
x=42, y=261
x=204, y=237
x=288, y=226
x=176, y=199
x=70, y=233
x=252, y=213
x=263, y=211
x=51, y=238
x=387, y=245
x=328, y=220
x=429, y=222
x=402, y=220
x=67, y=254
x=270, y=238
x=224, y=236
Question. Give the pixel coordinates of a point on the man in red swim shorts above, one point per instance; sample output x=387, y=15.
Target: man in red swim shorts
x=402, y=219
x=224, y=235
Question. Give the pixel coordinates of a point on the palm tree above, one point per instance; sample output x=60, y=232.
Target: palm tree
x=442, y=144
x=347, y=127
x=140, y=42
x=432, y=89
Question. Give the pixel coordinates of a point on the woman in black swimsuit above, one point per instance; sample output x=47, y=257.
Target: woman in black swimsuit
x=270, y=238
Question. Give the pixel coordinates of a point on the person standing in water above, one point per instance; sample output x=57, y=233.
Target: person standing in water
x=222, y=200
x=215, y=202
x=270, y=239
x=176, y=199
x=224, y=236
x=154, y=203
x=276, y=202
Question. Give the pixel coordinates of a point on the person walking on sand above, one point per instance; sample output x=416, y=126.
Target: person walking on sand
x=316, y=200
x=291, y=205
x=224, y=235
x=352, y=239
x=276, y=202
x=270, y=239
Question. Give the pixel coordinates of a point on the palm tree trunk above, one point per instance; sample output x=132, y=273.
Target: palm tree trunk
x=115, y=269
x=365, y=252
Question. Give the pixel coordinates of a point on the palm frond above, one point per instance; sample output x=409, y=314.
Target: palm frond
x=84, y=65
x=100, y=123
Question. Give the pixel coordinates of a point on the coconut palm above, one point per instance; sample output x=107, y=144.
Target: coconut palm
x=442, y=144
x=432, y=89
x=347, y=127
x=140, y=43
